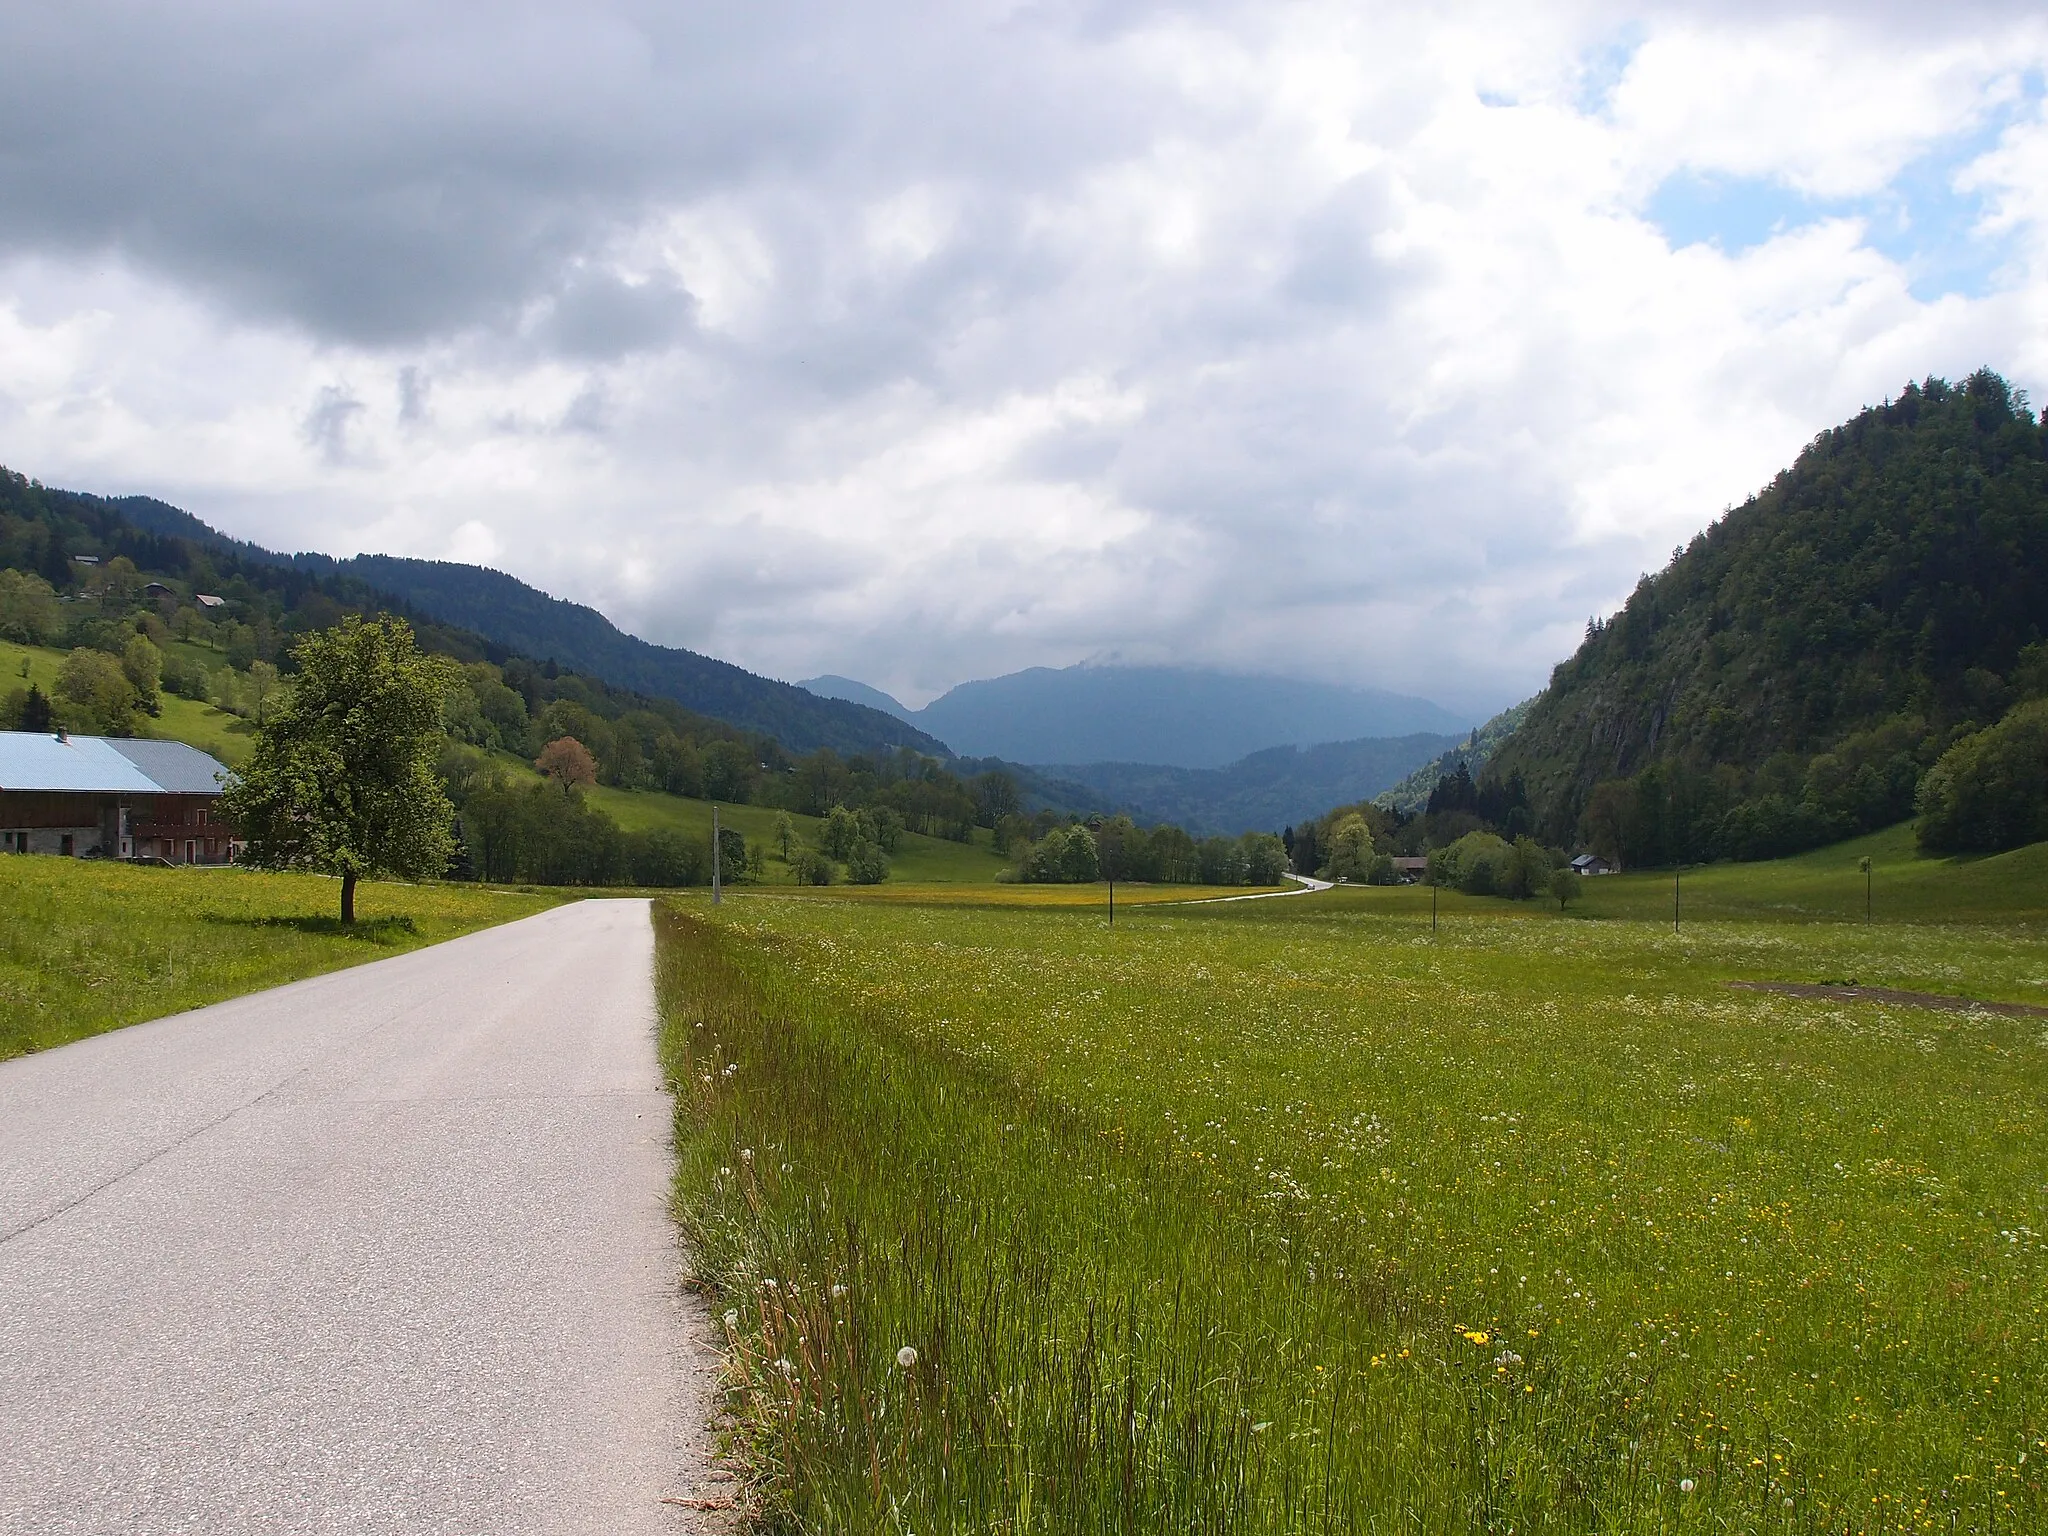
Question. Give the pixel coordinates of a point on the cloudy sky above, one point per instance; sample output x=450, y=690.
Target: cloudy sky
x=925, y=341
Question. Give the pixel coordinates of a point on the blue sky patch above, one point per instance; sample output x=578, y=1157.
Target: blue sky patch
x=1920, y=220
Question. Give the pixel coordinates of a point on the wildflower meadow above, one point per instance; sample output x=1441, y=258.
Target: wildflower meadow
x=1292, y=1216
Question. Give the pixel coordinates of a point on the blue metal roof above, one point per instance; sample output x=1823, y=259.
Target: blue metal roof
x=96, y=765
x=176, y=768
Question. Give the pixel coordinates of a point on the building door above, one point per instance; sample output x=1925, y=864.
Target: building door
x=188, y=851
x=66, y=845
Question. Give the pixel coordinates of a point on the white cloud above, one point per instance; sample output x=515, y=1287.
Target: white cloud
x=945, y=340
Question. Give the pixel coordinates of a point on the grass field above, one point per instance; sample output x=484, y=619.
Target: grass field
x=1826, y=885
x=87, y=946
x=1284, y=1216
x=918, y=859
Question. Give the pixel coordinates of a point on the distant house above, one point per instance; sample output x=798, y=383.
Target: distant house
x=1408, y=871
x=1591, y=864
x=208, y=600
x=85, y=559
x=156, y=589
x=99, y=797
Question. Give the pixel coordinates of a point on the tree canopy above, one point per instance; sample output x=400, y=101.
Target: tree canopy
x=1786, y=680
x=342, y=776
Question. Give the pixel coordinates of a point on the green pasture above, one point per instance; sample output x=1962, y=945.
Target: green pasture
x=1288, y=1216
x=918, y=859
x=1827, y=886
x=87, y=946
x=226, y=736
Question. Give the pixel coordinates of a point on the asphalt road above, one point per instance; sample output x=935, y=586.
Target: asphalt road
x=385, y=1250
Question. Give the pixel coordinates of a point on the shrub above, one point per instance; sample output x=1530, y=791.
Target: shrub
x=1064, y=856
x=94, y=694
x=28, y=608
x=1481, y=864
x=867, y=864
x=1990, y=790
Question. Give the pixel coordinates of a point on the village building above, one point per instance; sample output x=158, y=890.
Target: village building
x=111, y=798
x=1591, y=864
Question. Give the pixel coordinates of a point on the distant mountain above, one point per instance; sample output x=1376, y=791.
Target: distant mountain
x=832, y=687
x=1176, y=716
x=1263, y=792
x=523, y=619
x=1789, y=676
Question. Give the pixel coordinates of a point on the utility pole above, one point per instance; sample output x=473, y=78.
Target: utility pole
x=1674, y=897
x=1866, y=891
x=1432, y=906
x=717, y=859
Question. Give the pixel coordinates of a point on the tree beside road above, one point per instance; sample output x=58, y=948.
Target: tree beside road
x=342, y=777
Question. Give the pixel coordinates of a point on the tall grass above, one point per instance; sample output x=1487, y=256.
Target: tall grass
x=1261, y=1218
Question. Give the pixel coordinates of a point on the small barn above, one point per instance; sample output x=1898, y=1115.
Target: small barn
x=1591, y=864
x=111, y=797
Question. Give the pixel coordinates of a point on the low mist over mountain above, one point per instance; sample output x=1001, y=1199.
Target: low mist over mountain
x=1175, y=717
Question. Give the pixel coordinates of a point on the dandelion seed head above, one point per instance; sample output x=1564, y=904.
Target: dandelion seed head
x=906, y=1357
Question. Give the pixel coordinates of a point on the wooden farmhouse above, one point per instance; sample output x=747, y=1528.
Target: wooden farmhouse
x=111, y=798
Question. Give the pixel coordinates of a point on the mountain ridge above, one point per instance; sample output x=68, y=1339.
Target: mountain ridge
x=1262, y=791
x=1790, y=675
x=522, y=618
x=1172, y=717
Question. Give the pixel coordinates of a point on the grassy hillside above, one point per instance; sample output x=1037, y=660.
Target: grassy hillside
x=1278, y=1216
x=1826, y=886
x=87, y=946
x=917, y=858
x=212, y=730
x=1787, y=678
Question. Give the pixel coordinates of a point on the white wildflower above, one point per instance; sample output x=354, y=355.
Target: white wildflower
x=906, y=1357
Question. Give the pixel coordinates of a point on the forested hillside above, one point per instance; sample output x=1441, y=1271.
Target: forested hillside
x=1796, y=670
x=521, y=620
x=529, y=621
x=1472, y=754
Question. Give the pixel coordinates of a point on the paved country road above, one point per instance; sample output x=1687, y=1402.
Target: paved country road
x=383, y=1251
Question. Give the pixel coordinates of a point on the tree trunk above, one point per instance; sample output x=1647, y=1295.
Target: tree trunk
x=348, y=897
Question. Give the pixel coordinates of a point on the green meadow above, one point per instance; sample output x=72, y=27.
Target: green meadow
x=1289, y=1215
x=87, y=945
x=920, y=859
